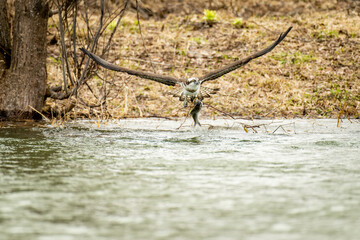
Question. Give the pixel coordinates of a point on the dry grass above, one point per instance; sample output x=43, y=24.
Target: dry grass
x=313, y=73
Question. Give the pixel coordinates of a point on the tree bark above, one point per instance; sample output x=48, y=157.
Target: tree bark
x=5, y=45
x=24, y=83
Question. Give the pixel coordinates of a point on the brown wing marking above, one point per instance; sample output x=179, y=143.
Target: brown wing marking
x=167, y=80
x=233, y=66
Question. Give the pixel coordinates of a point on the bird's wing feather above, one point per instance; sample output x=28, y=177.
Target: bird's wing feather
x=231, y=67
x=167, y=80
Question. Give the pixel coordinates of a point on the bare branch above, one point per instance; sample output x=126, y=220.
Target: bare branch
x=142, y=38
x=225, y=113
x=64, y=57
x=62, y=39
x=50, y=93
x=94, y=42
x=74, y=39
x=122, y=12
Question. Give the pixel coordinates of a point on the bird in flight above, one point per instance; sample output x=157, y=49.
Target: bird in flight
x=191, y=87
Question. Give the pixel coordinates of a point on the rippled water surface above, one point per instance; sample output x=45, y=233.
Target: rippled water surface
x=146, y=179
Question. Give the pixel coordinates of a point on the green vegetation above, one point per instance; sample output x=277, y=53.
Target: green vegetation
x=54, y=60
x=326, y=34
x=295, y=58
x=112, y=25
x=210, y=16
x=238, y=23
x=198, y=40
x=300, y=57
x=282, y=57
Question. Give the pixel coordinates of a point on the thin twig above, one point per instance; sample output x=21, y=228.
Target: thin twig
x=157, y=116
x=97, y=34
x=225, y=113
x=282, y=127
x=74, y=40
x=67, y=64
x=90, y=89
x=278, y=128
x=89, y=32
x=260, y=25
x=122, y=13
x=142, y=38
x=63, y=52
x=39, y=113
x=340, y=113
x=93, y=44
x=183, y=122
x=90, y=105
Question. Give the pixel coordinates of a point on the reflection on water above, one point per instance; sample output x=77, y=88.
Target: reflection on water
x=143, y=179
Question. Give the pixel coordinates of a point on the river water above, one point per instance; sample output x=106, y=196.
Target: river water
x=146, y=179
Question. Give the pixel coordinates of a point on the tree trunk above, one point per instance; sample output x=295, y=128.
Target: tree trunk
x=23, y=84
x=5, y=45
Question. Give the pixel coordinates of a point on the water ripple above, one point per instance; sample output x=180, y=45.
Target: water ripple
x=122, y=181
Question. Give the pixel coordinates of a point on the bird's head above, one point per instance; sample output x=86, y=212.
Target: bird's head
x=192, y=80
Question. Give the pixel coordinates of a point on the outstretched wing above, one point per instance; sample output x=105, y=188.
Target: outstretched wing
x=167, y=80
x=231, y=67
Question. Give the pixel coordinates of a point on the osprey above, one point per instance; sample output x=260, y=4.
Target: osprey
x=191, y=87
